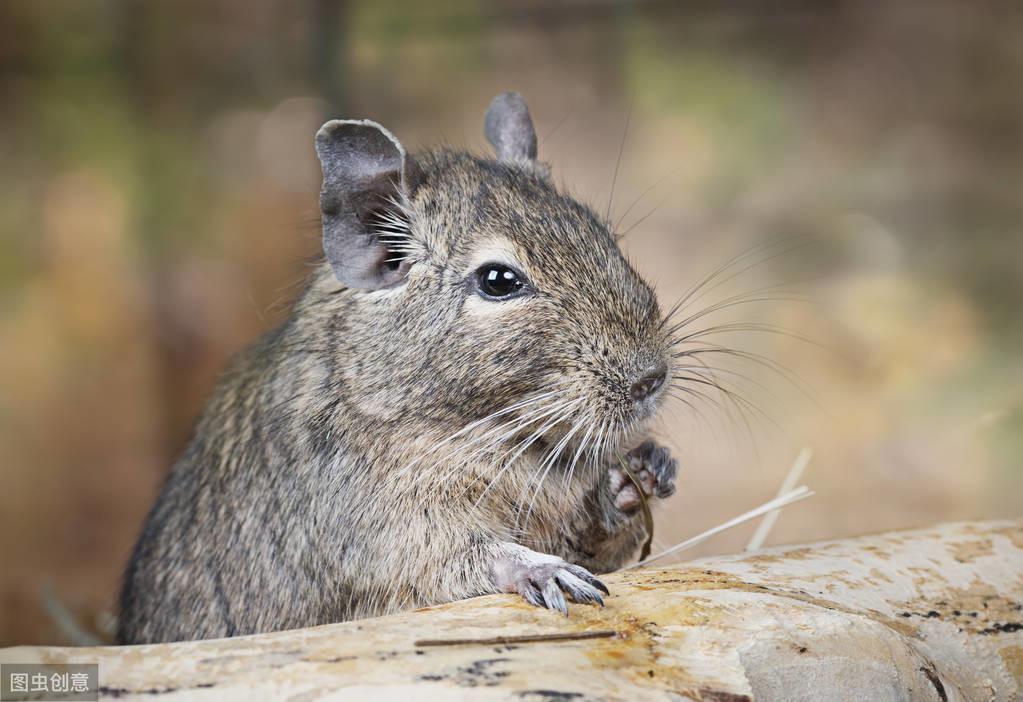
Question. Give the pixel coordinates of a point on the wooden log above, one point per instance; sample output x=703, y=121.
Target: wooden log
x=933, y=614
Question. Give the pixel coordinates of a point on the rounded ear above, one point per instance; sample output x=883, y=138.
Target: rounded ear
x=509, y=128
x=363, y=172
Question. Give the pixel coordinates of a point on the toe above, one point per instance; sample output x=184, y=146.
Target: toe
x=643, y=451
x=627, y=499
x=665, y=486
x=553, y=598
x=647, y=481
x=531, y=593
x=580, y=590
x=588, y=577
x=616, y=480
x=661, y=460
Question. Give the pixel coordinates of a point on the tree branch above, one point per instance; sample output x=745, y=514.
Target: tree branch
x=933, y=614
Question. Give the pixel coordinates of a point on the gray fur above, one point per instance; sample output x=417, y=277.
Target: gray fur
x=332, y=477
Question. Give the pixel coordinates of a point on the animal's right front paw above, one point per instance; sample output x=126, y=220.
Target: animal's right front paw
x=543, y=579
x=654, y=470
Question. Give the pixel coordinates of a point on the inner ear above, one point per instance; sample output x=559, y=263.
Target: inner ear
x=365, y=175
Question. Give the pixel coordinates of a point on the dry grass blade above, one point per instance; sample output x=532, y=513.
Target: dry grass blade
x=648, y=517
x=794, y=475
x=800, y=493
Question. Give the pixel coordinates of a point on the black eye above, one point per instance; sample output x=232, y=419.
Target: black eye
x=499, y=282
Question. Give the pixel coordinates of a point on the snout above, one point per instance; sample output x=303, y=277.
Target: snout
x=648, y=382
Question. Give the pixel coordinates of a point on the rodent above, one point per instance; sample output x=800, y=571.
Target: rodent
x=438, y=418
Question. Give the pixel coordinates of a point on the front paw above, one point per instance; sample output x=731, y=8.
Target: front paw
x=654, y=470
x=542, y=579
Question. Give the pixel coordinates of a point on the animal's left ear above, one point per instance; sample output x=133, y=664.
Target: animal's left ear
x=364, y=168
x=509, y=128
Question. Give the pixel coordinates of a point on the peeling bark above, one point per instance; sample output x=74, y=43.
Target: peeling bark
x=934, y=614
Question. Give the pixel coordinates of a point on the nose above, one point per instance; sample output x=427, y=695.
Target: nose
x=649, y=382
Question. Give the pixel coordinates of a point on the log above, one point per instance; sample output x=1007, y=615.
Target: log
x=932, y=614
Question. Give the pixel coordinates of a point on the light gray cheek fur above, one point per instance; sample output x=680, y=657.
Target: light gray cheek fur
x=304, y=498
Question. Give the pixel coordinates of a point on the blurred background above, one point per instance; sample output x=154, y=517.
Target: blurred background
x=158, y=206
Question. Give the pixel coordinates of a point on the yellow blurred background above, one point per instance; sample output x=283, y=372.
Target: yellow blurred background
x=158, y=207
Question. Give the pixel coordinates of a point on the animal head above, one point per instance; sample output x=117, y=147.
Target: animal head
x=475, y=289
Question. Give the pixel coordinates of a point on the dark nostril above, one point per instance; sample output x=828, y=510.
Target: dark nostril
x=648, y=383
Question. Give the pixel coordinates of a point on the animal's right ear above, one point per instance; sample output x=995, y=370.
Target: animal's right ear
x=364, y=169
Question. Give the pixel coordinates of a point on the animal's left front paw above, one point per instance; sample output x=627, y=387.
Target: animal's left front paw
x=654, y=470
x=543, y=579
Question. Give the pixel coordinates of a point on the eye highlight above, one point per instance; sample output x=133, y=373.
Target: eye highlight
x=496, y=281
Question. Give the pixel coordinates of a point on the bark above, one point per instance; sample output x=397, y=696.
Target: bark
x=933, y=614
